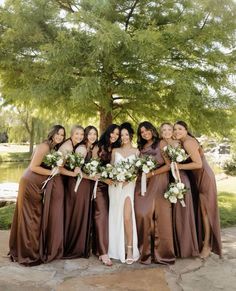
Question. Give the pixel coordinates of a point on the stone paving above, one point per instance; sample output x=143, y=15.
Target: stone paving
x=191, y=274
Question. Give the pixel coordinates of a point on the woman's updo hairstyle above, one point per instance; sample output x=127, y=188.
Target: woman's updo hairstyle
x=128, y=127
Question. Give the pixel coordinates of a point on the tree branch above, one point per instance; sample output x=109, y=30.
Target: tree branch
x=130, y=14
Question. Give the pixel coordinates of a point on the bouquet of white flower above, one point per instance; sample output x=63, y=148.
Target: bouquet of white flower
x=176, y=154
x=145, y=164
x=124, y=171
x=176, y=193
x=74, y=160
x=93, y=168
x=53, y=160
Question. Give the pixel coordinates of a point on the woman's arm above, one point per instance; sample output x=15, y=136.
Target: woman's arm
x=192, y=149
x=35, y=165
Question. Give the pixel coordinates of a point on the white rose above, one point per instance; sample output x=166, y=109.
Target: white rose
x=104, y=174
x=180, y=186
x=175, y=190
x=60, y=162
x=109, y=166
x=138, y=163
x=127, y=166
x=149, y=163
x=119, y=170
x=173, y=199
x=145, y=169
x=121, y=177
x=111, y=175
x=179, y=158
x=166, y=195
x=182, y=151
x=60, y=153
x=94, y=163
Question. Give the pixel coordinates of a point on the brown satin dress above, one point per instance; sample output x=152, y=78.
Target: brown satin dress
x=52, y=235
x=206, y=186
x=78, y=216
x=184, y=227
x=26, y=226
x=100, y=213
x=154, y=216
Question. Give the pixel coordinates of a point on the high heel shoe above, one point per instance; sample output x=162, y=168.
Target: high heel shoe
x=205, y=252
x=129, y=261
x=105, y=260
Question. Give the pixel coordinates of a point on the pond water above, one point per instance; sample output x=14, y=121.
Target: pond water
x=11, y=172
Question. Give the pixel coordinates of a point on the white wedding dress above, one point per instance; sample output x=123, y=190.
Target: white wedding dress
x=117, y=196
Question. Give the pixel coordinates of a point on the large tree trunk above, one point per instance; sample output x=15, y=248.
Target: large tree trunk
x=32, y=134
x=105, y=120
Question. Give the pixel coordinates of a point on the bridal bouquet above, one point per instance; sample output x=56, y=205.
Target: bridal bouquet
x=176, y=154
x=93, y=168
x=145, y=164
x=74, y=160
x=175, y=193
x=54, y=160
x=124, y=171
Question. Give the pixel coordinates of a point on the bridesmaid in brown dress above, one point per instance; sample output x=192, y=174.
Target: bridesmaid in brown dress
x=153, y=211
x=206, y=184
x=26, y=226
x=79, y=205
x=53, y=211
x=184, y=228
x=109, y=139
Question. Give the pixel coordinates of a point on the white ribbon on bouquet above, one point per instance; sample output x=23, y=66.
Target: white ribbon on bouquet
x=79, y=179
x=54, y=172
x=94, y=195
x=143, y=184
x=176, y=175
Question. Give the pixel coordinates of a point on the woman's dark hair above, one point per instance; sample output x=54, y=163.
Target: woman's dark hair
x=104, y=141
x=55, y=129
x=155, y=136
x=184, y=124
x=86, y=132
x=128, y=127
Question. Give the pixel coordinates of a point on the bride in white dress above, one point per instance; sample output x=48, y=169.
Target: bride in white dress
x=123, y=244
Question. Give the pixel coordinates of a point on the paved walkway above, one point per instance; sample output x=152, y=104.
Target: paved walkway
x=84, y=275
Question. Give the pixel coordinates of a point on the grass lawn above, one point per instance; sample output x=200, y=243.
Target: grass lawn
x=6, y=215
x=227, y=205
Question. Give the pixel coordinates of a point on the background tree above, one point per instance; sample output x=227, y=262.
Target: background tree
x=120, y=59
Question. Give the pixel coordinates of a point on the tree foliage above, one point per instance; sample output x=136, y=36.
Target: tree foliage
x=118, y=59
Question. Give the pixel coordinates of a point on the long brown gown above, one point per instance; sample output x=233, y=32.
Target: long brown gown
x=26, y=226
x=78, y=217
x=206, y=185
x=100, y=212
x=184, y=227
x=154, y=216
x=53, y=220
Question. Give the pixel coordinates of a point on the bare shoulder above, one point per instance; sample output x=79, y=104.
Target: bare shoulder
x=190, y=144
x=43, y=148
x=163, y=143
